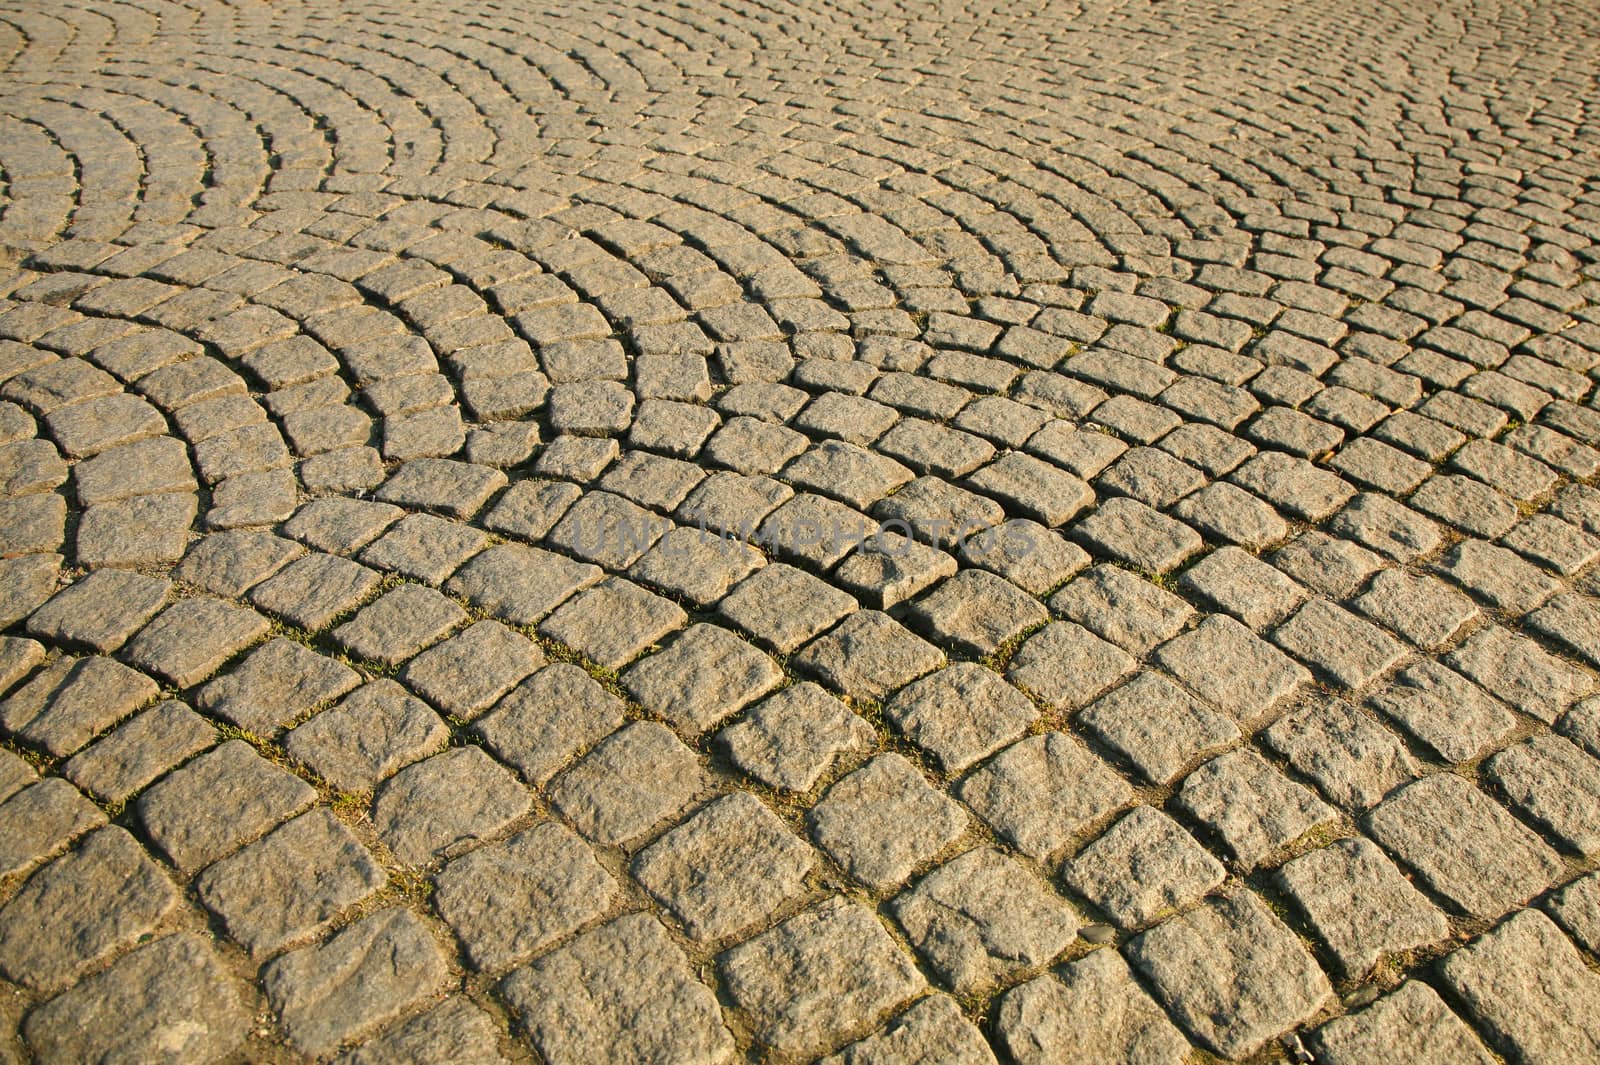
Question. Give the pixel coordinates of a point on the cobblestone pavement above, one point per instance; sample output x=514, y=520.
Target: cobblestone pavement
x=369, y=689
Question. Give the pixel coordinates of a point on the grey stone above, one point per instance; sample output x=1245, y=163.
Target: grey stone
x=976, y=612
x=1466, y=847
x=144, y=468
x=1528, y=987
x=1240, y=584
x=1033, y=488
x=1577, y=907
x=981, y=917
x=889, y=568
x=1336, y=568
x=791, y=738
x=1222, y=511
x=469, y=672
x=18, y=658
x=960, y=714
x=340, y=525
x=455, y=1032
x=1572, y=621
x=1411, y=1024
x=231, y=563
x=169, y=1000
x=139, y=750
x=1353, y=759
x=292, y=883
x=846, y=472
x=883, y=821
x=1554, y=543
x=140, y=531
x=726, y=869
x=73, y=914
x=189, y=641
x=1293, y=485
x=1093, y=1010
x=507, y=901
x=782, y=607
x=1228, y=665
x=1125, y=609
x=1231, y=973
x=1360, y=906
x=931, y=1032
x=71, y=700
x=371, y=972
x=1390, y=528
x=629, y=784
x=1027, y=554
x=1422, y=609
x=607, y=529
x=529, y=509
x=424, y=548
x=622, y=992
x=1251, y=806
x=548, y=719
x=520, y=584
x=1157, y=726
x=279, y=682
x=1556, y=784
x=699, y=565
x=41, y=818
x=868, y=655
x=218, y=802
x=454, y=489
x=398, y=624
x=1516, y=669
x=706, y=675
x=313, y=592
x=1342, y=647
x=1128, y=530
x=1497, y=576
x=1144, y=867
x=375, y=731
x=813, y=531
x=1066, y=665
x=442, y=805
x=613, y=622
x=1451, y=715
x=1468, y=505
x=101, y=611
x=819, y=977
x=1043, y=790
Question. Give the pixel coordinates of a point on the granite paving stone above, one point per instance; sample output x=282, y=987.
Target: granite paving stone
x=76, y=912
x=981, y=917
x=292, y=883
x=506, y=901
x=621, y=992
x=1413, y=1022
x=442, y=805
x=170, y=997
x=371, y=971
x=819, y=976
x=777, y=468
x=1528, y=987
x=725, y=869
x=1231, y=973
x=1465, y=846
x=883, y=820
x=1143, y=868
x=215, y=803
x=1093, y=1009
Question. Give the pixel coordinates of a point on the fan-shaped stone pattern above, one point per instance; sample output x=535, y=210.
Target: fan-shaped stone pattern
x=869, y=439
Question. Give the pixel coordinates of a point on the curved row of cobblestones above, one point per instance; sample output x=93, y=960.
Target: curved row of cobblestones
x=895, y=532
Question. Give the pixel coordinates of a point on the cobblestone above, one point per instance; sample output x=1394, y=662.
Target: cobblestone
x=643, y=435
